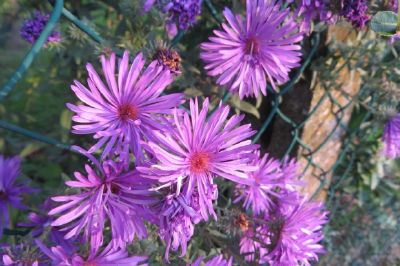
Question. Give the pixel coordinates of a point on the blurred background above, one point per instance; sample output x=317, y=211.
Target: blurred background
x=331, y=118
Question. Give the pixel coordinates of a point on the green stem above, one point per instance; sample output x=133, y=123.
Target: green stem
x=225, y=98
x=213, y=11
x=177, y=38
x=82, y=26
x=14, y=232
x=55, y=16
x=88, y=30
x=34, y=135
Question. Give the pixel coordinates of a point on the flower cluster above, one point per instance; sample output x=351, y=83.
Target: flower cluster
x=161, y=164
x=33, y=27
x=177, y=156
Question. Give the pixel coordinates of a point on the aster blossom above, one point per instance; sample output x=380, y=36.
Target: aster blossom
x=253, y=243
x=394, y=5
x=215, y=261
x=111, y=195
x=290, y=234
x=124, y=111
x=40, y=221
x=270, y=175
x=10, y=191
x=249, y=53
x=22, y=255
x=295, y=233
x=182, y=14
x=178, y=216
x=391, y=137
x=198, y=149
x=355, y=11
x=107, y=257
x=33, y=27
x=316, y=10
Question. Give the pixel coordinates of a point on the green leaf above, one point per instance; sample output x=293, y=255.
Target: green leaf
x=30, y=149
x=384, y=23
x=15, y=232
x=65, y=119
x=244, y=106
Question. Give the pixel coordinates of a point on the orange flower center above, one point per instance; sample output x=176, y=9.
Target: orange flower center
x=252, y=46
x=128, y=112
x=199, y=162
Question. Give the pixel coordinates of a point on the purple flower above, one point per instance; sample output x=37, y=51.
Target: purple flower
x=391, y=137
x=289, y=234
x=127, y=109
x=215, y=261
x=393, y=5
x=198, y=149
x=355, y=11
x=270, y=176
x=250, y=52
x=41, y=221
x=178, y=215
x=22, y=255
x=182, y=13
x=32, y=28
x=10, y=192
x=315, y=10
x=109, y=196
x=148, y=4
x=295, y=233
x=394, y=38
x=250, y=244
x=108, y=257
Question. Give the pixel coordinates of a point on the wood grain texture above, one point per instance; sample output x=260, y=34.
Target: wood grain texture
x=324, y=122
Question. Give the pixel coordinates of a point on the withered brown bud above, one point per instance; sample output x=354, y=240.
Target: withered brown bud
x=170, y=59
x=242, y=222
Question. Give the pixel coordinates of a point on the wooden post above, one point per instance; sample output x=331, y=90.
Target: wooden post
x=323, y=123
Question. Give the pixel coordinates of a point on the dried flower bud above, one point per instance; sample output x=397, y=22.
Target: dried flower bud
x=170, y=59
